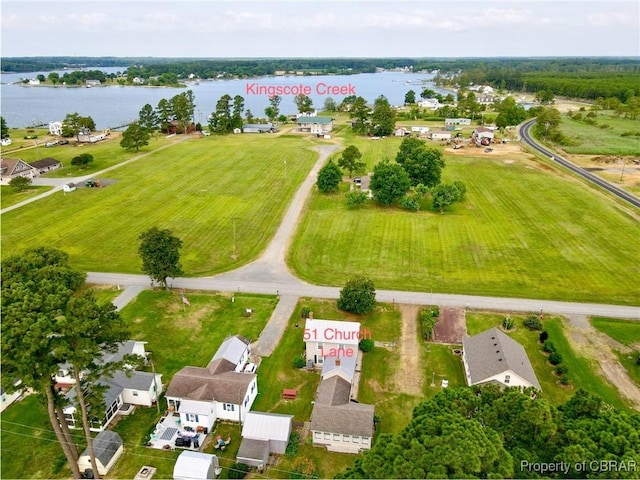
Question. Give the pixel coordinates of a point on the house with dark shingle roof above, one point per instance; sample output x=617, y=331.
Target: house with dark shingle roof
x=494, y=357
x=201, y=395
x=46, y=165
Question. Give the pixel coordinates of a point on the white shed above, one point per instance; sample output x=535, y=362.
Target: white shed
x=107, y=447
x=196, y=466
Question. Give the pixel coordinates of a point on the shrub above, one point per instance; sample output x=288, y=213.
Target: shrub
x=562, y=370
x=555, y=358
x=410, y=203
x=306, y=311
x=548, y=346
x=366, y=345
x=507, y=323
x=532, y=322
x=299, y=362
x=303, y=467
x=428, y=320
x=292, y=446
x=355, y=198
x=564, y=380
x=543, y=336
x=238, y=470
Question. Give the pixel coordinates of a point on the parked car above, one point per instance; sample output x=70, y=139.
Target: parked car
x=52, y=143
x=357, y=181
x=488, y=149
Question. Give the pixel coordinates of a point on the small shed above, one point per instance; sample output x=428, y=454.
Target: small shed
x=107, y=447
x=69, y=187
x=196, y=466
x=254, y=453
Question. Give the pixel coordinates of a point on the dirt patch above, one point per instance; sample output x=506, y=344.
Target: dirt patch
x=600, y=347
x=451, y=326
x=409, y=376
x=375, y=386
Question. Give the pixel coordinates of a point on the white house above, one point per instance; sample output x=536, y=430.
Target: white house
x=338, y=423
x=401, y=132
x=55, y=128
x=6, y=398
x=235, y=349
x=457, y=121
x=11, y=168
x=107, y=448
x=441, y=135
x=196, y=466
x=431, y=103
x=314, y=125
x=420, y=130
x=218, y=391
x=494, y=357
x=483, y=132
x=331, y=338
x=263, y=434
x=121, y=392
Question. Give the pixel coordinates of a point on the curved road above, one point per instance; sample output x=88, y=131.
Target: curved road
x=525, y=134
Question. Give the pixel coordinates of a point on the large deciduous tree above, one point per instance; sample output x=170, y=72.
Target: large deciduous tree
x=329, y=178
x=350, y=160
x=510, y=113
x=36, y=288
x=160, y=254
x=20, y=183
x=220, y=120
x=425, y=166
x=303, y=103
x=238, y=110
x=359, y=113
x=134, y=137
x=358, y=296
x=383, y=117
x=389, y=182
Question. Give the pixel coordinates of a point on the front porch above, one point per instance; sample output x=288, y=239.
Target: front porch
x=170, y=434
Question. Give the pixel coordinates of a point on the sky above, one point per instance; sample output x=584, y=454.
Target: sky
x=320, y=28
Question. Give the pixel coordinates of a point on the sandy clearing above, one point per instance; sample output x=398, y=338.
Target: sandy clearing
x=409, y=377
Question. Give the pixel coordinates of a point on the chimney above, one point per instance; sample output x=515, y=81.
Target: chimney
x=310, y=316
x=338, y=362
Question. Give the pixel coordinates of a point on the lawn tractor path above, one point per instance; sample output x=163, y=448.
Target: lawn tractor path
x=409, y=376
x=598, y=346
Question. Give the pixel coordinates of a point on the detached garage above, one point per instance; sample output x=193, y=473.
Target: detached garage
x=263, y=434
x=196, y=466
x=107, y=447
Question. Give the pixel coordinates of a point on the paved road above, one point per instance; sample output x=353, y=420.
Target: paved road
x=525, y=134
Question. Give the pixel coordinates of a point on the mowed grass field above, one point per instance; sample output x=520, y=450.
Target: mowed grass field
x=524, y=230
x=198, y=189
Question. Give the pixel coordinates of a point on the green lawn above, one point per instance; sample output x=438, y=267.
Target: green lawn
x=29, y=446
x=198, y=189
x=582, y=370
x=593, y=139
x=521, y=228
x=626, y=332
x=10, y=196
x=180, y=335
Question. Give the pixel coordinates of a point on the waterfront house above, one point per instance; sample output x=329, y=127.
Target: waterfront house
x=314, y=125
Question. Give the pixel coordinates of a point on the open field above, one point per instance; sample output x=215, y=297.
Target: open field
x=10, y=196
x=200, y=190
x=583, y=371
x=596, y=140
x=626, y=332
x=522, y=227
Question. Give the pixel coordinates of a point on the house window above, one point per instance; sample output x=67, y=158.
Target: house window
x=253, y=387
x=246, y=400
x=317, y=435
x=336, y=437
x=356, y=439
x=192, y=417
x=135, y=394
x=507, y=378
x=327, y=436
x=229, y=407
x=346, y=438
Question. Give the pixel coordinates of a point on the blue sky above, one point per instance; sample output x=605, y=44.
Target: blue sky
x=327, y=28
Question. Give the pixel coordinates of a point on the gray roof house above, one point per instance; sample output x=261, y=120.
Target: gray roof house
x=493, y=356
x=108, y=448
x=315, y=125
x=263, y=434
x=339, y=423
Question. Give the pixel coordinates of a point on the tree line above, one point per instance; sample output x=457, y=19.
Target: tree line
x=488, y=432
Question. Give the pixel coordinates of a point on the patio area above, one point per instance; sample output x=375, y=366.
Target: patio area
x=169, y=435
